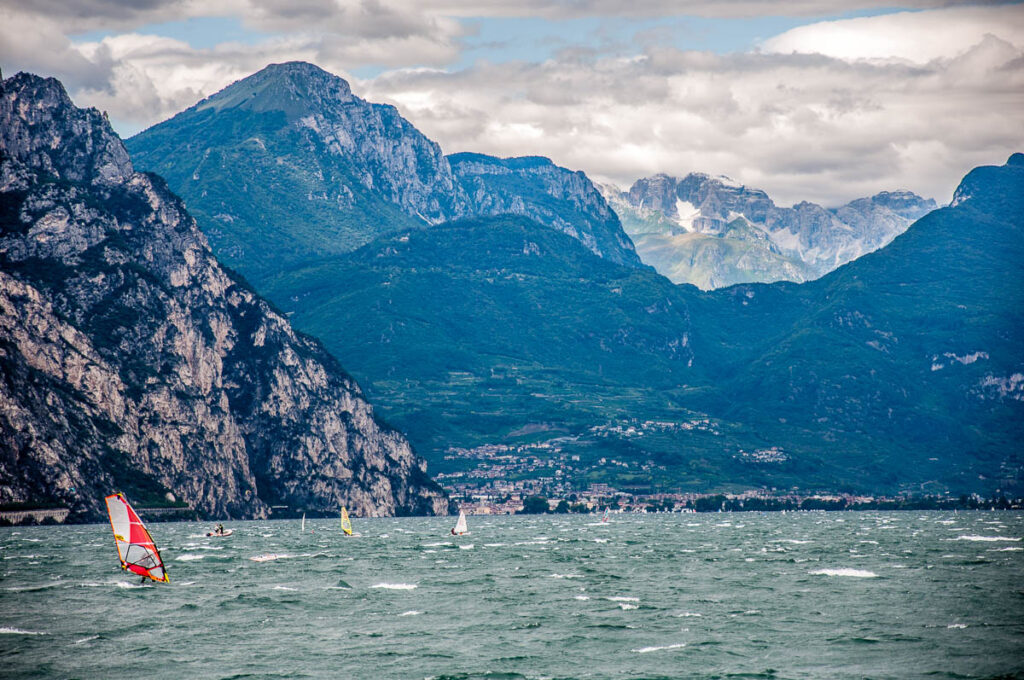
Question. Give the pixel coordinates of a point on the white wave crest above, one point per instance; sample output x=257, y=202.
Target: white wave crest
x=645, y=650
x=623, y=599
x=986, y=538
x=188, y=557
x=7, y=630
x=395, y=586
x=411, y=612
x=845, y=571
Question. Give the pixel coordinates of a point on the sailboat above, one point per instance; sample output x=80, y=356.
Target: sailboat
x=135, y=546
x=346, y=523
x=303, y=529
x=605, y=517
x=460, y=528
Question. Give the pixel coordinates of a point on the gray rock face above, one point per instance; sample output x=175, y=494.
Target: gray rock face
x=131, y=360
x=672, y=222
x=554, y=196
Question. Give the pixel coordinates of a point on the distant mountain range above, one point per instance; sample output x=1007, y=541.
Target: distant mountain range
x=132, y=361
x=482, y=300
x=713, y=232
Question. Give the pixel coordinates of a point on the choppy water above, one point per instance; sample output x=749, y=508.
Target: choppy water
x=837, y=595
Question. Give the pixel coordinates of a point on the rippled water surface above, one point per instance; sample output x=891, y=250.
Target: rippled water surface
x=799, y=595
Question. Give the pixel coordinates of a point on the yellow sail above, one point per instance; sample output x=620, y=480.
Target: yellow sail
x=346, y=523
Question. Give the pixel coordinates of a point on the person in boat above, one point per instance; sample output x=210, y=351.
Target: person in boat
x=220, y=529
x=453, y=532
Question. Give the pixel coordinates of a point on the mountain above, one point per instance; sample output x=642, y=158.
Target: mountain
x=289, y=161
x=900, y=370
x=132, y=360
x=909, y=358
x=546, y=193
x=514, y=329
x=713, y=232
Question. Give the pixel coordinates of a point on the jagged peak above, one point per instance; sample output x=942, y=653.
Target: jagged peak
x=41, y=128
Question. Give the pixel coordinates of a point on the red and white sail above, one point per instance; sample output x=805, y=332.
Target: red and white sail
x=135, y=546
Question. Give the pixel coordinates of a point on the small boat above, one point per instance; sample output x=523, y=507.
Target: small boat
x=222, y=534
x=460, y=528
x=135, y=546
x=346, y=523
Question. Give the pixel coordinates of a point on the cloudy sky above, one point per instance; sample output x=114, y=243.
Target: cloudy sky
x=808, y=99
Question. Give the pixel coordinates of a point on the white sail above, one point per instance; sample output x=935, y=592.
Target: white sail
x=303, y=522
x=460, y=526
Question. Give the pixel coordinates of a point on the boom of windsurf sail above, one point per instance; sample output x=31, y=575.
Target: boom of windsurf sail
x=346, y=523
x=135, y=546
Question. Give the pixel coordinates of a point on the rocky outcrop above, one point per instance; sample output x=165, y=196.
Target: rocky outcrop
x=713, y=232
x=535, y=187
x=132, y=360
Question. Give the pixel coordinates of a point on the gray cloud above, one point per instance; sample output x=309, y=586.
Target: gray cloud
x=791, y=120
x=800, y=126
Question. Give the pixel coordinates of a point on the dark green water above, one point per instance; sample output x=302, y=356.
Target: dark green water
x=806, y=595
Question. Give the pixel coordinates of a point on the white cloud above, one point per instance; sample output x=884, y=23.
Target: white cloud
x=914, y=36
x=799, y=126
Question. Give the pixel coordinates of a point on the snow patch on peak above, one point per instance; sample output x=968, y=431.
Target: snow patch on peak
x=686, y=212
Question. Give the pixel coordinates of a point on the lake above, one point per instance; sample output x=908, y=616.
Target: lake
x=745, y=595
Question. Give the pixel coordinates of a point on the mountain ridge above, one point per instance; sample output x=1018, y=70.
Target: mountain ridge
x=323, y=172
x=713, y=232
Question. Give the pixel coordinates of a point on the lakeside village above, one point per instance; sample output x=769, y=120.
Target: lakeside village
x=540, y=477
x=547, y=476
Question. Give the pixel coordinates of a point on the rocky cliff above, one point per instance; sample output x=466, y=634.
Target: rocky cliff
x=713, y=232
x=132, y=360
x=535, y=187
